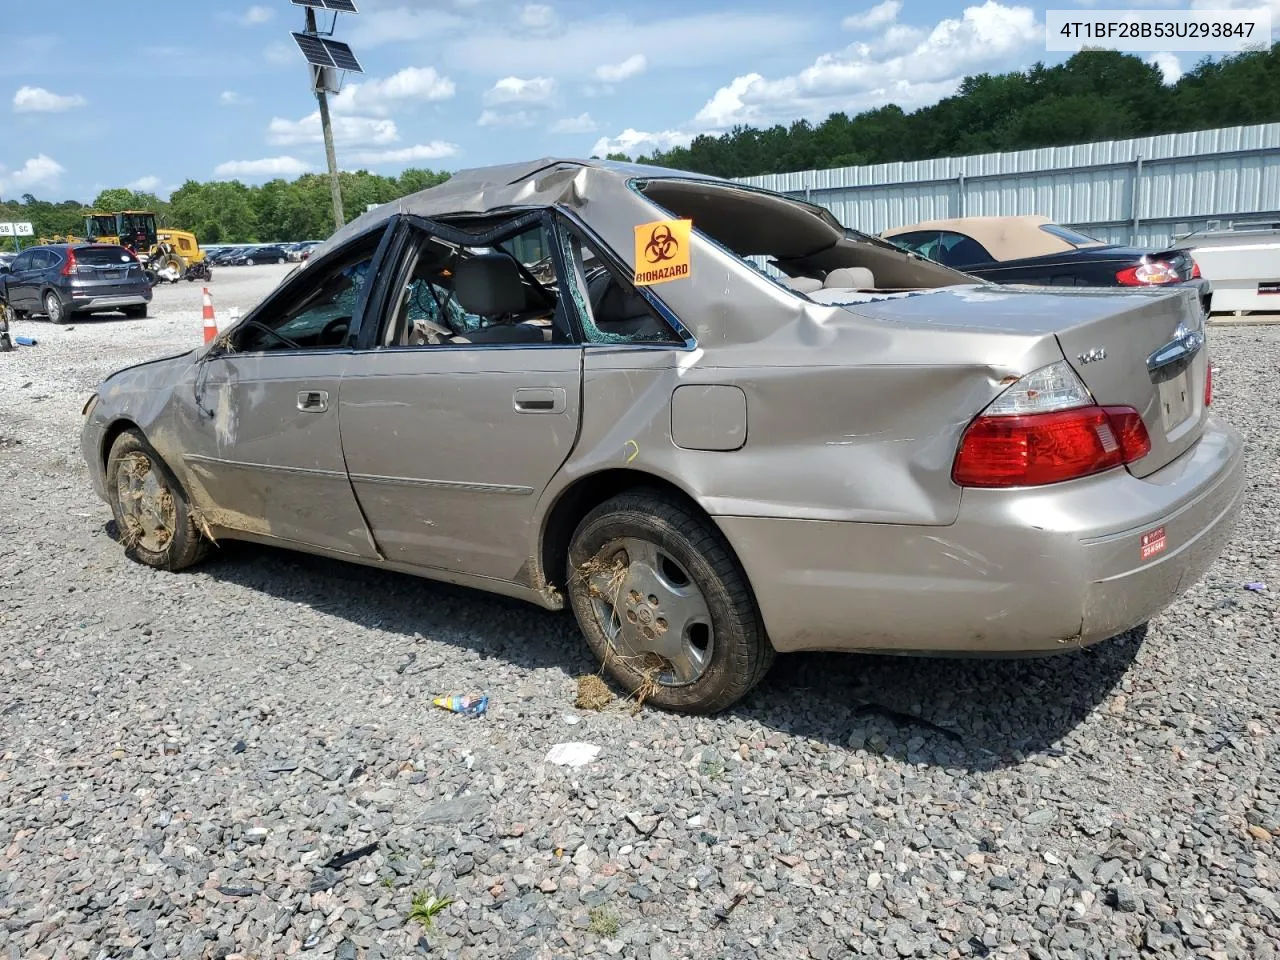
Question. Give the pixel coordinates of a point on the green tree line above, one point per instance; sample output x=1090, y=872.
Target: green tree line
x=228, y=211
x=1094, y=95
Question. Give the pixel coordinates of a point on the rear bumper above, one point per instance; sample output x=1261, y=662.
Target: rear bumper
x=86, y=303
x=1019, y=572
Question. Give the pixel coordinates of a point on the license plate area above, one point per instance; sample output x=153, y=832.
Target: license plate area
x=113, y=275
x=1175, y=402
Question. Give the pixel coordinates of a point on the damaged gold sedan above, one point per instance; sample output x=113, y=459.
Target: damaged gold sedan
x=708, y=418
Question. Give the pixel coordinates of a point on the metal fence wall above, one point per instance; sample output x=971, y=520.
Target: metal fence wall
x=1144, y=191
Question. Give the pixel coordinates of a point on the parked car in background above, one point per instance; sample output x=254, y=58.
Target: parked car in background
x=59, y=280
x=269, y=253
x=227, y=255
x=300, y=251
x=1037, y=251
x=566, y=381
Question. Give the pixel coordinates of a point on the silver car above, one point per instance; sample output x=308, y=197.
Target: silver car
x=709, y=419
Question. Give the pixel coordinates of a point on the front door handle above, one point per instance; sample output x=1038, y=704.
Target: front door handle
x=540, y=400
x=313, y=401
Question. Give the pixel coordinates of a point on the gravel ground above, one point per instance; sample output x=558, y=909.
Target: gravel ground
x=181, y=755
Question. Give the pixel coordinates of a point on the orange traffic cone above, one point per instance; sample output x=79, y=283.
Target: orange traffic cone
x=210, y=324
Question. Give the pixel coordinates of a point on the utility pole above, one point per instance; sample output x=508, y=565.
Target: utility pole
x=326, y=128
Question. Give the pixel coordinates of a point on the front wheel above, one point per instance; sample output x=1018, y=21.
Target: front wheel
x=665, y=605
x=151, y=511
x=248, y=263
x=53, y=308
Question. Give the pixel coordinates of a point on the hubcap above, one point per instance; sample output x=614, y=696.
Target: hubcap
x=53, y=308
x=651, y=611
x=146, y=504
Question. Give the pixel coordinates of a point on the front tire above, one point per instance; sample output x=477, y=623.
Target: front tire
x=53, y=308
x=152, y=515
x=664, y=604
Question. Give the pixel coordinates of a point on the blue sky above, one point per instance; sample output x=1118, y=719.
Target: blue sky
x=95, y=95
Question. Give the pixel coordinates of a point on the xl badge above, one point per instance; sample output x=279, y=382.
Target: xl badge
x=1097, y=353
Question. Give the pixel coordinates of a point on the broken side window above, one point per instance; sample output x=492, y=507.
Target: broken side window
x=612, y=310
x=477, y=284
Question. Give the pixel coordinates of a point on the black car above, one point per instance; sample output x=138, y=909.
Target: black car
x=267, y=254
x=62, y=279
x=1037, y=251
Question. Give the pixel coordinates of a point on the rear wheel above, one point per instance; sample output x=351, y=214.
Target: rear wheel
x=150, y=509
x=664, y=604
x=53, y=308
x=249, y=262
x=136, y=313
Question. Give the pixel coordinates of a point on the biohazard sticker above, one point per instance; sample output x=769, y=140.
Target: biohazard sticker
x=1153, y=543
x=662, y=252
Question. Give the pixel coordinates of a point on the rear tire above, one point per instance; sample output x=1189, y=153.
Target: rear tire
x=136, y=313
x=720, y=653
x=150, y=508
x=53, y=308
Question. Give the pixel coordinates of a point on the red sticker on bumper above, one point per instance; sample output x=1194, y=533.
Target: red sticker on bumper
x=1153, y=543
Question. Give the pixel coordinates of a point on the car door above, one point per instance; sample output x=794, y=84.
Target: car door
x=464, y=403
x=271, y=396
x=18, y=282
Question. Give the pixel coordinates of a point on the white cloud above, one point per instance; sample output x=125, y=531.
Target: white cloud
x=256, y=15
x=266, y=167
x=635, y=142
x=880, y=15
x=377, y=97
x=148, y=184
x=355, y=131
x=538, y=17
x=508, y=118
x=229, y=98
x=1169, y=66
x=1273, y=5
x=633, y=66
x=862, y=76
x=40, y=100
x=537, y=90
x=403, y=24
x=582, y=123
x=672, y=42
x=435, y=150
x=281, y=54
x=39, y=171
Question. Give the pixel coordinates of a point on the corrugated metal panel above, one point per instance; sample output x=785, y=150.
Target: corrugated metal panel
x=1185, y=179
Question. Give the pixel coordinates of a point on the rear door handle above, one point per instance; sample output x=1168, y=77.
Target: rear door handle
x=313, y=401
x=540, y=400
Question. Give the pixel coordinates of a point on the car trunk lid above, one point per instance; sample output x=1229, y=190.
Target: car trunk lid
x=106, y=270
x=1136, y=347
x=1150, y=357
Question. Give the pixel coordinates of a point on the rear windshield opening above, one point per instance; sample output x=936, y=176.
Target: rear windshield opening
x=103, y=256
x=801, y=245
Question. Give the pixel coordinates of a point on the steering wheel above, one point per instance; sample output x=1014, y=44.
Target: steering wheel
x=333, y=326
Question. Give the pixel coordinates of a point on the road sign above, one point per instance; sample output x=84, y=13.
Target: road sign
x=7, y=229
x=23, y=229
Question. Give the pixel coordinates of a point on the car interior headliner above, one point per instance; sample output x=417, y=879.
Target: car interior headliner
x=747, y=222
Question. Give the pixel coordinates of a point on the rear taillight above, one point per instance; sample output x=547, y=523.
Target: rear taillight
x=1148, y=273
x=1195, y=270
x=69, y=267
x=1046, y=428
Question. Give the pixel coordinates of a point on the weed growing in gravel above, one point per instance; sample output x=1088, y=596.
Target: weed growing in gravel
x=603, y=921
x=388, y=883
x=426, y=906
x=713, y=770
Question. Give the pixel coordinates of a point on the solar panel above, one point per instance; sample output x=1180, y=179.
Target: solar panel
x=314, y=50
x=323, y=52
x=338, y=6
x=343, y=58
